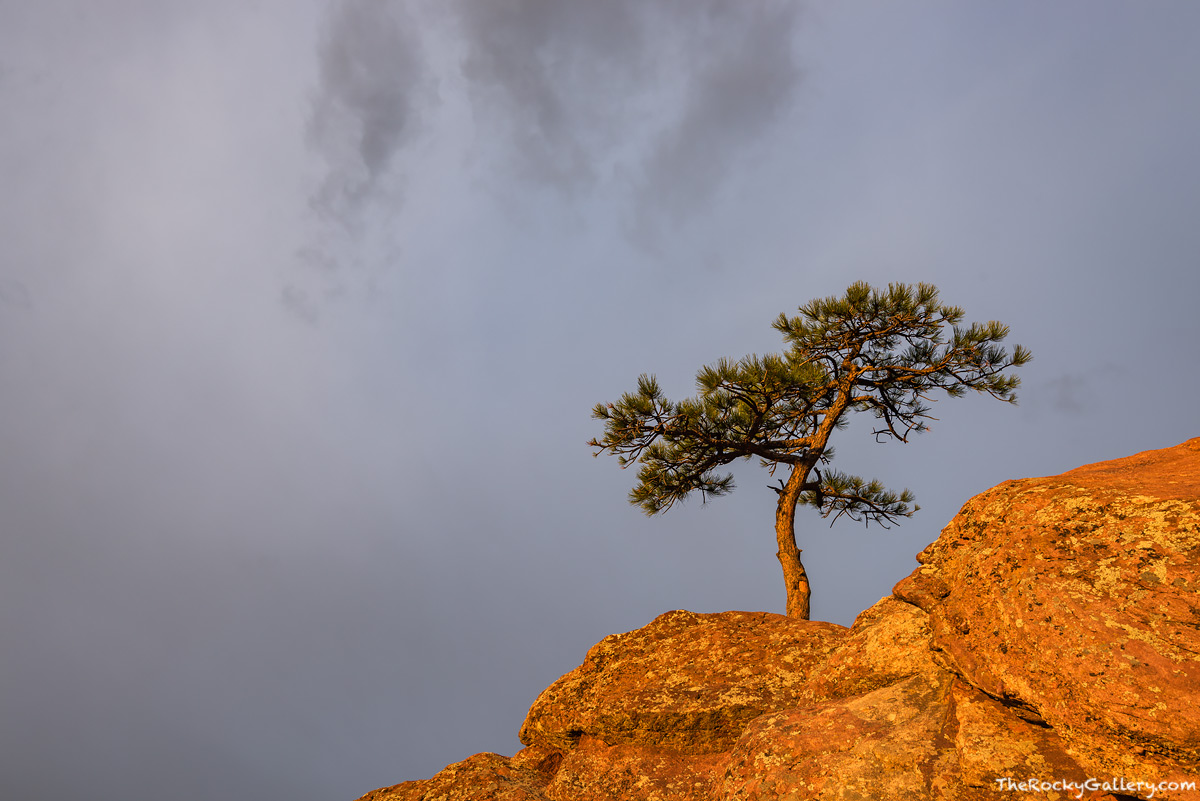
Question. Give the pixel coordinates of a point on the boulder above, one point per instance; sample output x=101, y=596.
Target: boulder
x=887, y=643
x=482, y=777
x=927, y=737
x=1074, y=598
x=689, y=682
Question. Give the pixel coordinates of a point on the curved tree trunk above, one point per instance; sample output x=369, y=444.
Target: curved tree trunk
x=794, y=576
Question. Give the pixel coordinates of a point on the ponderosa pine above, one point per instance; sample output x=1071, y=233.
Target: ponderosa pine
x=887, y=352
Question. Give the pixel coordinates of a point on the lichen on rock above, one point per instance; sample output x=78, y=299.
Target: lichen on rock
x=1075, y=597
x=686, y=681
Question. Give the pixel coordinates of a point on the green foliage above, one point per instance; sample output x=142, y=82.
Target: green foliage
x=886, y=352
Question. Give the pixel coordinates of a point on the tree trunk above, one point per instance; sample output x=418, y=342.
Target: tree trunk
x=794, y=576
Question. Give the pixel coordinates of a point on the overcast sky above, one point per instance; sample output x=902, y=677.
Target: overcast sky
x=304, y=307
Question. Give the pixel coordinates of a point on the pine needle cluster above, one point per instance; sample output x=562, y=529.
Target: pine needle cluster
x=887, y=352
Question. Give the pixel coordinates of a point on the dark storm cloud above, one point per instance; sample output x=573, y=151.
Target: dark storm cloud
x=741, y=89
x=667, y=94
x=662, y=96
x=652, y=107
x=550, y=79
x=372, y=84
x=373, y=88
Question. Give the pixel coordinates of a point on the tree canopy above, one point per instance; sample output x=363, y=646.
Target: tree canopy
x=887, y=352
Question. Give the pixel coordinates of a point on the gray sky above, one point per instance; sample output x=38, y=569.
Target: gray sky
x=303, y=308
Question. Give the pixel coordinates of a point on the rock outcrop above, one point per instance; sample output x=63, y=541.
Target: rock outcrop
x=1050, y=635
x=1077, y=599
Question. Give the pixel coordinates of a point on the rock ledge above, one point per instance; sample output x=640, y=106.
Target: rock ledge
x=1050, y=634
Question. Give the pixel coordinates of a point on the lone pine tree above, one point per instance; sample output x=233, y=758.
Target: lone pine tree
x=884, y=352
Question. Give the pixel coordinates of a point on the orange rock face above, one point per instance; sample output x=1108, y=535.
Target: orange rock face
x=929, y=736
x=483, y=777
x=1076, y=597
x=688, y=682
x=1050, y=638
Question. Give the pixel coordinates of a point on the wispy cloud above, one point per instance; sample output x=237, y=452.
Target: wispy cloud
x=665, y=95
x=742, y=82
x=651, y=106
x=373, y=86
x=373, y=89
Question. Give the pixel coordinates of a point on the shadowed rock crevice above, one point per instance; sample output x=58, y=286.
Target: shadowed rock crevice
x=1051, y=633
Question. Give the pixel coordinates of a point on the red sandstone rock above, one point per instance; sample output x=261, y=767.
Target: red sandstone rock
x=594, y=771
x=483, y=777
x=1075, y=596
x=688, y=682
x=1051, y=634
x=927, y=737
x=887, y=643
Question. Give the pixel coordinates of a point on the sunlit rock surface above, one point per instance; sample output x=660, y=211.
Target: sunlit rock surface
x=688, y=682
x=1077, y=597
x=1052, y=633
